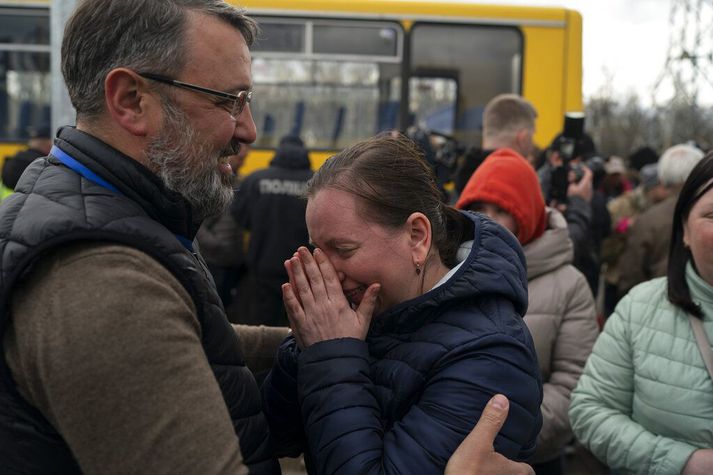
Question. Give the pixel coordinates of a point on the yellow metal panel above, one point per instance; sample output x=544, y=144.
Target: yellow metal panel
x=411, y=7
x=8, y=149
x=543, y=79
x=553, y=74
x=258, y=159
x=573, y=81
x=24, y=3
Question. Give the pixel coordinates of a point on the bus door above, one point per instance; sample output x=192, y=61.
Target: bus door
x=455, y=69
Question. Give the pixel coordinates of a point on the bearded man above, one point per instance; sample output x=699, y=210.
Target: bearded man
x=117, y=356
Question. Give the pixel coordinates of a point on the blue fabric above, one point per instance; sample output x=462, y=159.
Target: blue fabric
x=403, y=401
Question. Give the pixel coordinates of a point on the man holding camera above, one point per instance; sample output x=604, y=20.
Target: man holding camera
x=566, y=183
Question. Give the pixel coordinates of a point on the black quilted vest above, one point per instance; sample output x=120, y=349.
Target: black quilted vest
x=54, y=205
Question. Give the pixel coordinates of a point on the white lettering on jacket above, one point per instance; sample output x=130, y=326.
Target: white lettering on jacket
x=283, y=187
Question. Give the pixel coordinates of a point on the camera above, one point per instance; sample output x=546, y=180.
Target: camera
x=568, y=146
x=573, y=131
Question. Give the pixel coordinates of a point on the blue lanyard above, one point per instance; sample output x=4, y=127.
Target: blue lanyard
x=72, y=163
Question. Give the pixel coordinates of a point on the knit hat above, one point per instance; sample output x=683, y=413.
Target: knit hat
x=506, y=179
x=291, y=153
x=41, y=131
x=649, y=175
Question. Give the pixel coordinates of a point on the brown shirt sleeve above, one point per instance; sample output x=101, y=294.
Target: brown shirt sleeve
x=105, y=342
x=260, y=344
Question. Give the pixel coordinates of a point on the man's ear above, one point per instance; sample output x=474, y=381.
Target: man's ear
x=522, y=140
x=419, y=234
x=128, y=101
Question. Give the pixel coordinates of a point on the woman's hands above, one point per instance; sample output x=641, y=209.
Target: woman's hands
x=316, y=305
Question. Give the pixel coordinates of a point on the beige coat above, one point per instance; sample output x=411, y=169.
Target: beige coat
x=562, y=319
x=646, y=254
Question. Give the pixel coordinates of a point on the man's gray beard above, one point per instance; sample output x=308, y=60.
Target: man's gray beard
x=187, y=166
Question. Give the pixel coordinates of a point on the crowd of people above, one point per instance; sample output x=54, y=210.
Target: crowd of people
x=161, y=313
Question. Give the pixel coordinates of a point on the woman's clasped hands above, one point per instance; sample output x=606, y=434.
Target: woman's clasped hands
x=315, y=302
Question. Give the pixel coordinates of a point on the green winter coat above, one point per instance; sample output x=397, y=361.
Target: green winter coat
x=644, y=403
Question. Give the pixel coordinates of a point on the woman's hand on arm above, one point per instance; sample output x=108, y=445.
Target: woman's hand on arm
x=315, y=302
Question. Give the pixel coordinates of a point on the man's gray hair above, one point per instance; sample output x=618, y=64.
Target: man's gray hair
x=676, y=164
x=507, y=114
x=143, y=35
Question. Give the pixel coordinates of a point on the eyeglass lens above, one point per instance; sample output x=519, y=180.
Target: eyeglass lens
x=243, y=98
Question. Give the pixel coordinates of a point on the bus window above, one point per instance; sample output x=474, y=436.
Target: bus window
x=432, y=103
x=280, y=37
x=457, y=69
x=370, y=41
x=24, y=71
x=329, y=87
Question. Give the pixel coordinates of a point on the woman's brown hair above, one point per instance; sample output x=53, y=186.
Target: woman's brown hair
x=392, y=179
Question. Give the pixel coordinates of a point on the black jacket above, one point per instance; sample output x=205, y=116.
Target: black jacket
x=54, y=205
x=14, y=166
x=270, y=204
x=470, y=162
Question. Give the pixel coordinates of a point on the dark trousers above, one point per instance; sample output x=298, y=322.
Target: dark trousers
x=553, y=467
x=611, y=298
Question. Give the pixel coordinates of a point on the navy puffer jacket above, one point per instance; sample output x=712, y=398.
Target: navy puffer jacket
x=403, y=401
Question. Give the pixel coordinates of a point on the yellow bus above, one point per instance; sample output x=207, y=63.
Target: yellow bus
x=24, y=71
x=336, y=71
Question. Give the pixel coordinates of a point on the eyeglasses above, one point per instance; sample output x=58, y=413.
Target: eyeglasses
x=233, y=103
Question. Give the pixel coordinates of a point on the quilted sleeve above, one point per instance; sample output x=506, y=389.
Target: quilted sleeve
x=601, y=407
x=575, y=338
x=280, y=404
x=343, y=420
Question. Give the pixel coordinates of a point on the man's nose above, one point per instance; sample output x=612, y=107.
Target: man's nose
x=245, y=129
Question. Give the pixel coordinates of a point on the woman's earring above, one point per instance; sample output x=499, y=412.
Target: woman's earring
x=418, y=269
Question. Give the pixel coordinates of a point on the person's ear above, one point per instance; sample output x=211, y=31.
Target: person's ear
x=419, y=235
x=523, y=142
x=129, y=102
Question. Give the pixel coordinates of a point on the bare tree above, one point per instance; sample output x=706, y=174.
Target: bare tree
x=619, y=127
